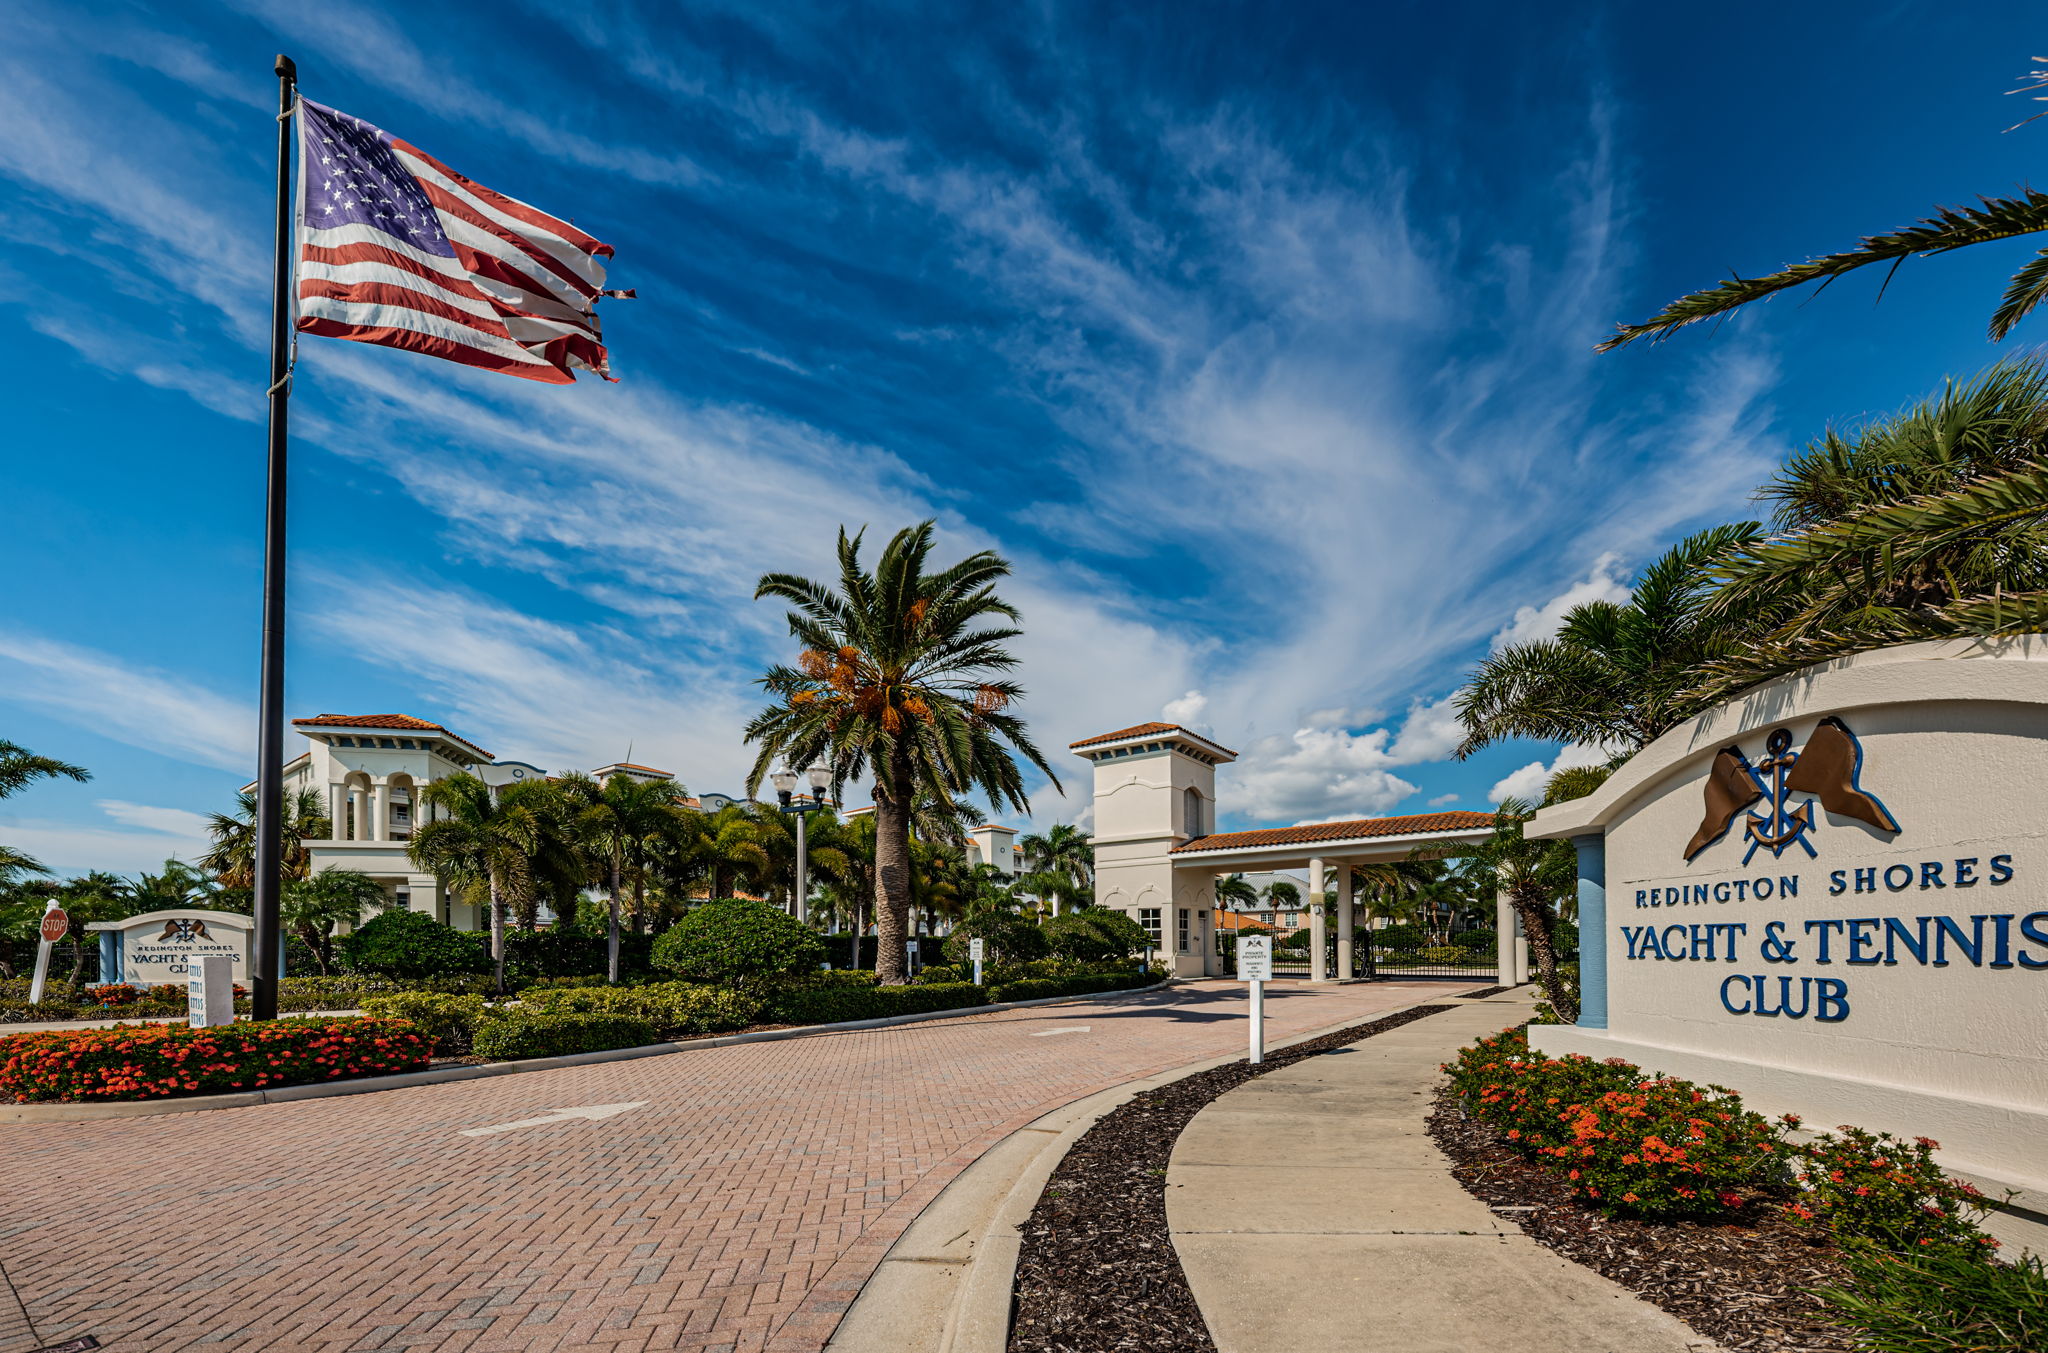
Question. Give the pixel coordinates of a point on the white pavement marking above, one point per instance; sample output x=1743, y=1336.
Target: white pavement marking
x=591, y=1111
x=1048, y=1033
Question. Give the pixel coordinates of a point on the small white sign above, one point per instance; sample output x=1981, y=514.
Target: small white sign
x=974, y=949
x=209, y=990
x=1255, y=958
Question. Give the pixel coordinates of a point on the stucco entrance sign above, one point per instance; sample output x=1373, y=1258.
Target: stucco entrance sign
x=1832, y=895
x=151, y=949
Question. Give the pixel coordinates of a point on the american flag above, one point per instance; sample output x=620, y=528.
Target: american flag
x=397, y=248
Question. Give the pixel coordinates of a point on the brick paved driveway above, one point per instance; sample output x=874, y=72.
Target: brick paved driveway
x=740, y=1210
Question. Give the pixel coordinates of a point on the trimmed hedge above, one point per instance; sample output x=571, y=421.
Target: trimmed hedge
x=834, y=1004
x=1042, y=988
x=545, y=1033
x=413, y=944
x=156, y=1061
x=674, y=1009
x=449, y=1020
x=738, y=944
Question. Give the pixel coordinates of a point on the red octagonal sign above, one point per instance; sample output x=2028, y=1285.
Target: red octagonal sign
x=56, y=925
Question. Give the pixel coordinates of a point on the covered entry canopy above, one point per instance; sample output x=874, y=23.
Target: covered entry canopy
x=1362, y=841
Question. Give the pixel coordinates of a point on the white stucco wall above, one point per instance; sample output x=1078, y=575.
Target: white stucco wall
x=1955, y=744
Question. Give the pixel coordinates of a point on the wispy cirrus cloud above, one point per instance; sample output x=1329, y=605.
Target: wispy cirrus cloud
x=127, y=701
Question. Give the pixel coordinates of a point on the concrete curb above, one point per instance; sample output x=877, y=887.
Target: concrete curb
x=150, y=1108
x=945, y=1286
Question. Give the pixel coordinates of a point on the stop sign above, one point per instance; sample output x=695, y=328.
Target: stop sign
x=56, y=925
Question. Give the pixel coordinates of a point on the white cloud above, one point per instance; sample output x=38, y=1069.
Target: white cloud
x=1431, y=731
x=146, y=838
x=1442, y=799
x=1186, y=711
x=164, y=821
x=132, y=704
x=1318, y=774
x=1529, y=781
x=1605, y=582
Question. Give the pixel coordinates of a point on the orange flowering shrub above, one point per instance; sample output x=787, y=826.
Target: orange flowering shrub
x=153, y=1061
x=1631, y=1144
x=1873, y=1184
x=115, y=993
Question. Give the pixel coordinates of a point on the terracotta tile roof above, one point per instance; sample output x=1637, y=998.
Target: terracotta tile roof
x=628, y=765
x=1143, y=730
x=402, y=722
x=1421, y=824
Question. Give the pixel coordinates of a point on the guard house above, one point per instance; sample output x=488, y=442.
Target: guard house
x=1158, y=855
x=368, y=770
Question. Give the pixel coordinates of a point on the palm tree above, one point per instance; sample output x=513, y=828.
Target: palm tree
x=1063, y=850
x=728, y=847
x=899, y=674
x=179, y=885
x=1536, y=876
x=233, y=857
x=313, y=907
x=19, y=767
x=1950, y=228
x=1280, y=893
x=1235, y=893
x=627, y=825
x=1617, y=674
x=484, y=841
x=1928, y=524
x=97, y=896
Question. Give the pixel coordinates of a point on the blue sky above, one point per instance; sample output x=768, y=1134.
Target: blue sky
x=1258, y=336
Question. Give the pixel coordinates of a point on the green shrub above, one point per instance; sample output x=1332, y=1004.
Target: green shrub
x=738, y=944
x=154, y=1061
x=1564, y=937
x=413, y=944
x=1480, y=943
x=510, y=1035
x=1095, y=935
x=1040, y=988
x=674, y=1009
x=941, y=973
x=1942, y=1302
x=1006, y=937
x=449, y=1020
x=1294, y=939
x=834, y=1005
x=1445, y=954
x=1872, y=1185
x=1403, y=936
x=1631, y=1144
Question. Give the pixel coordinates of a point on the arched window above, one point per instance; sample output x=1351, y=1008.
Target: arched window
x=1193, y=814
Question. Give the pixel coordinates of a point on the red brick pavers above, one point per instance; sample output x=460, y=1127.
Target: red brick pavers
x=740, y=1210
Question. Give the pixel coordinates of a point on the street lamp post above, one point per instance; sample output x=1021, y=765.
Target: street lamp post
x=802, y=806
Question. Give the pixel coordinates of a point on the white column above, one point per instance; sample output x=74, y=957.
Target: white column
x=1344, y=920
x=380, y=812
x=1504, y=946
x=1318, y=928
x=359, y=802
x=337, y=811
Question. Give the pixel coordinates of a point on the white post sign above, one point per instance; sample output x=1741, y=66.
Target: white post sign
x=55, y=925
x=209, y=990
x=974, y=951
x=1255, y=965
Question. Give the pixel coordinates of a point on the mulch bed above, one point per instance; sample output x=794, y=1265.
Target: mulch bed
x=1483, y=991
x=1098, y=1272
x=1747, y=1285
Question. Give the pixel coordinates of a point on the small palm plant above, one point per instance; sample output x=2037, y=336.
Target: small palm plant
x=232, y=859
x=902, y=675
x=484, y=841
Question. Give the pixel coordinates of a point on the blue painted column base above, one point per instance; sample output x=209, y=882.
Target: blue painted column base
x=1592, y=930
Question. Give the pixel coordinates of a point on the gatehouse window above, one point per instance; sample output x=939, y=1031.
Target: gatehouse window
x=1194, y=811
x=1148, y=917
x=1183, y=919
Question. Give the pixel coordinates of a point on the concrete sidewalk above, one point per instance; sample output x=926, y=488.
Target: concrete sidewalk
x=1312, y=1212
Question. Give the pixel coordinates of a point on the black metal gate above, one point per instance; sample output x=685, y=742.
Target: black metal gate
x=1445, y=946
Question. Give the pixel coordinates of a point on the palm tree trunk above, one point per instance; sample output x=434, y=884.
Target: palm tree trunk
x=1536, y=920
x=639, y=902
x=497, y=932
x=612, y=934
x=892, y=876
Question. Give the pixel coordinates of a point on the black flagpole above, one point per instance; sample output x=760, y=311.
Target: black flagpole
x=269, y=947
